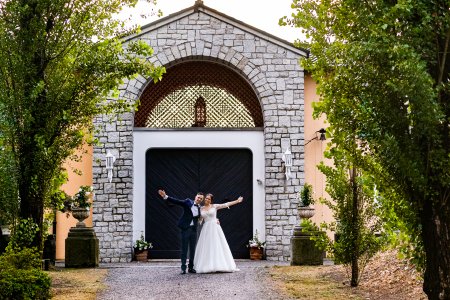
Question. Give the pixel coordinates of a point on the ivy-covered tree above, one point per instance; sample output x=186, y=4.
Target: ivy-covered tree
x=59, y=62
x=382, y=69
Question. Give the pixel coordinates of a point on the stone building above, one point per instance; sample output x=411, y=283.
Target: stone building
x=231, y=103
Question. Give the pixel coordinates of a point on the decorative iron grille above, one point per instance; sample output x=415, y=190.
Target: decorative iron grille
x=229, y=99
x=200, y=106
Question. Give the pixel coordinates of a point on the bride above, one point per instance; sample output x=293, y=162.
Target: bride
x=212, y=253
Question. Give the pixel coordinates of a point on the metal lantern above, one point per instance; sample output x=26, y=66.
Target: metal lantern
x=287, y=158
x=110, y=159
x=322, y=134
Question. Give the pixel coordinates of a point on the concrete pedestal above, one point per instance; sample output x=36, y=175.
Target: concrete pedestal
x=303, y=249
x=82, y=250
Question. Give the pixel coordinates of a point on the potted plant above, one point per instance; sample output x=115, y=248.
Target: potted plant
x=305, y=197
x=79, y=204
x=256, y=247
x=141, y=247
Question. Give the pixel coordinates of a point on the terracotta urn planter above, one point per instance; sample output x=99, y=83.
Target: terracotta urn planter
x=256, y=253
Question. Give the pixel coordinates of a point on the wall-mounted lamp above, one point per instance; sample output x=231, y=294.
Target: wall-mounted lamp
x=287, y=158
x=110, y=159
x=321, y=137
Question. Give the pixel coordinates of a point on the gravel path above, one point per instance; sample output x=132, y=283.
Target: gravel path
x=162, y=280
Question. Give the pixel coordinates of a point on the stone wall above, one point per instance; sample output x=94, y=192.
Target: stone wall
x=112, y=209
x=273, y=72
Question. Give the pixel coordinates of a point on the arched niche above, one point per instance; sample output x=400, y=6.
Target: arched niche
x=227, y=98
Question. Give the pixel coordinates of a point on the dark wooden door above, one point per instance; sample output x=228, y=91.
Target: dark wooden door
x=226, y=173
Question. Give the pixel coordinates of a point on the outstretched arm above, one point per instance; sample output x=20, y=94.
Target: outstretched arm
x=163, y=194
x=231, y=203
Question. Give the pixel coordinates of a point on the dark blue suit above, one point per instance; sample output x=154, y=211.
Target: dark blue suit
x=188, y=232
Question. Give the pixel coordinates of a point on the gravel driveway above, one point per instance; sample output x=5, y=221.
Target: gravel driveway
x=162, y=280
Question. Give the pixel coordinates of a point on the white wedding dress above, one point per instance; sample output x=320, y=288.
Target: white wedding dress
x=213, y=253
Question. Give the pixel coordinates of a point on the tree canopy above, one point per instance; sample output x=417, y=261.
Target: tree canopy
x=60, y=62
x=382, y=69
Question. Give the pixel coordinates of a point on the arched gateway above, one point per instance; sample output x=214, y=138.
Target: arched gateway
x=219, y=121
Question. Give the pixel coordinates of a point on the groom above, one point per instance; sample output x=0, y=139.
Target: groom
x=188, y=225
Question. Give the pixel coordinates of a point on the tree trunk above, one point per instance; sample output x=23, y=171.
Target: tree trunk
x=355, y=229
x=31, y=182
x=31, y=200
x=436, y=238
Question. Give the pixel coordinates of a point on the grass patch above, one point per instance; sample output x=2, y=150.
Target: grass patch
x=311, y=282
x=77, y=284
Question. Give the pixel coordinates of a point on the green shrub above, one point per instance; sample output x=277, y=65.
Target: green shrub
x=24, y=284
x=306, y=195
x=23, y=234
x=21, y=277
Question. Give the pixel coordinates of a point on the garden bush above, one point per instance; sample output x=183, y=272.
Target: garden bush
x=21, y=276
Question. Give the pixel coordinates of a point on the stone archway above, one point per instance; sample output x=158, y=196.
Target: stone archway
x=225, y=56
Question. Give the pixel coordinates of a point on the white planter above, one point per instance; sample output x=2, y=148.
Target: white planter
x=5, y=230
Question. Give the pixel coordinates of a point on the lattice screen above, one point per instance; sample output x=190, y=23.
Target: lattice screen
x=178, y=109
x=229, y=100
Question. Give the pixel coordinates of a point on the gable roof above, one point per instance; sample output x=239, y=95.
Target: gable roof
x=200, y=7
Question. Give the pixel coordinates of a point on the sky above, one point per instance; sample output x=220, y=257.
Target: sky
x=262, y=14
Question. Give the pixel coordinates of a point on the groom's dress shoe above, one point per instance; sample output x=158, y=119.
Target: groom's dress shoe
x=183, y=272
x=192, y=271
